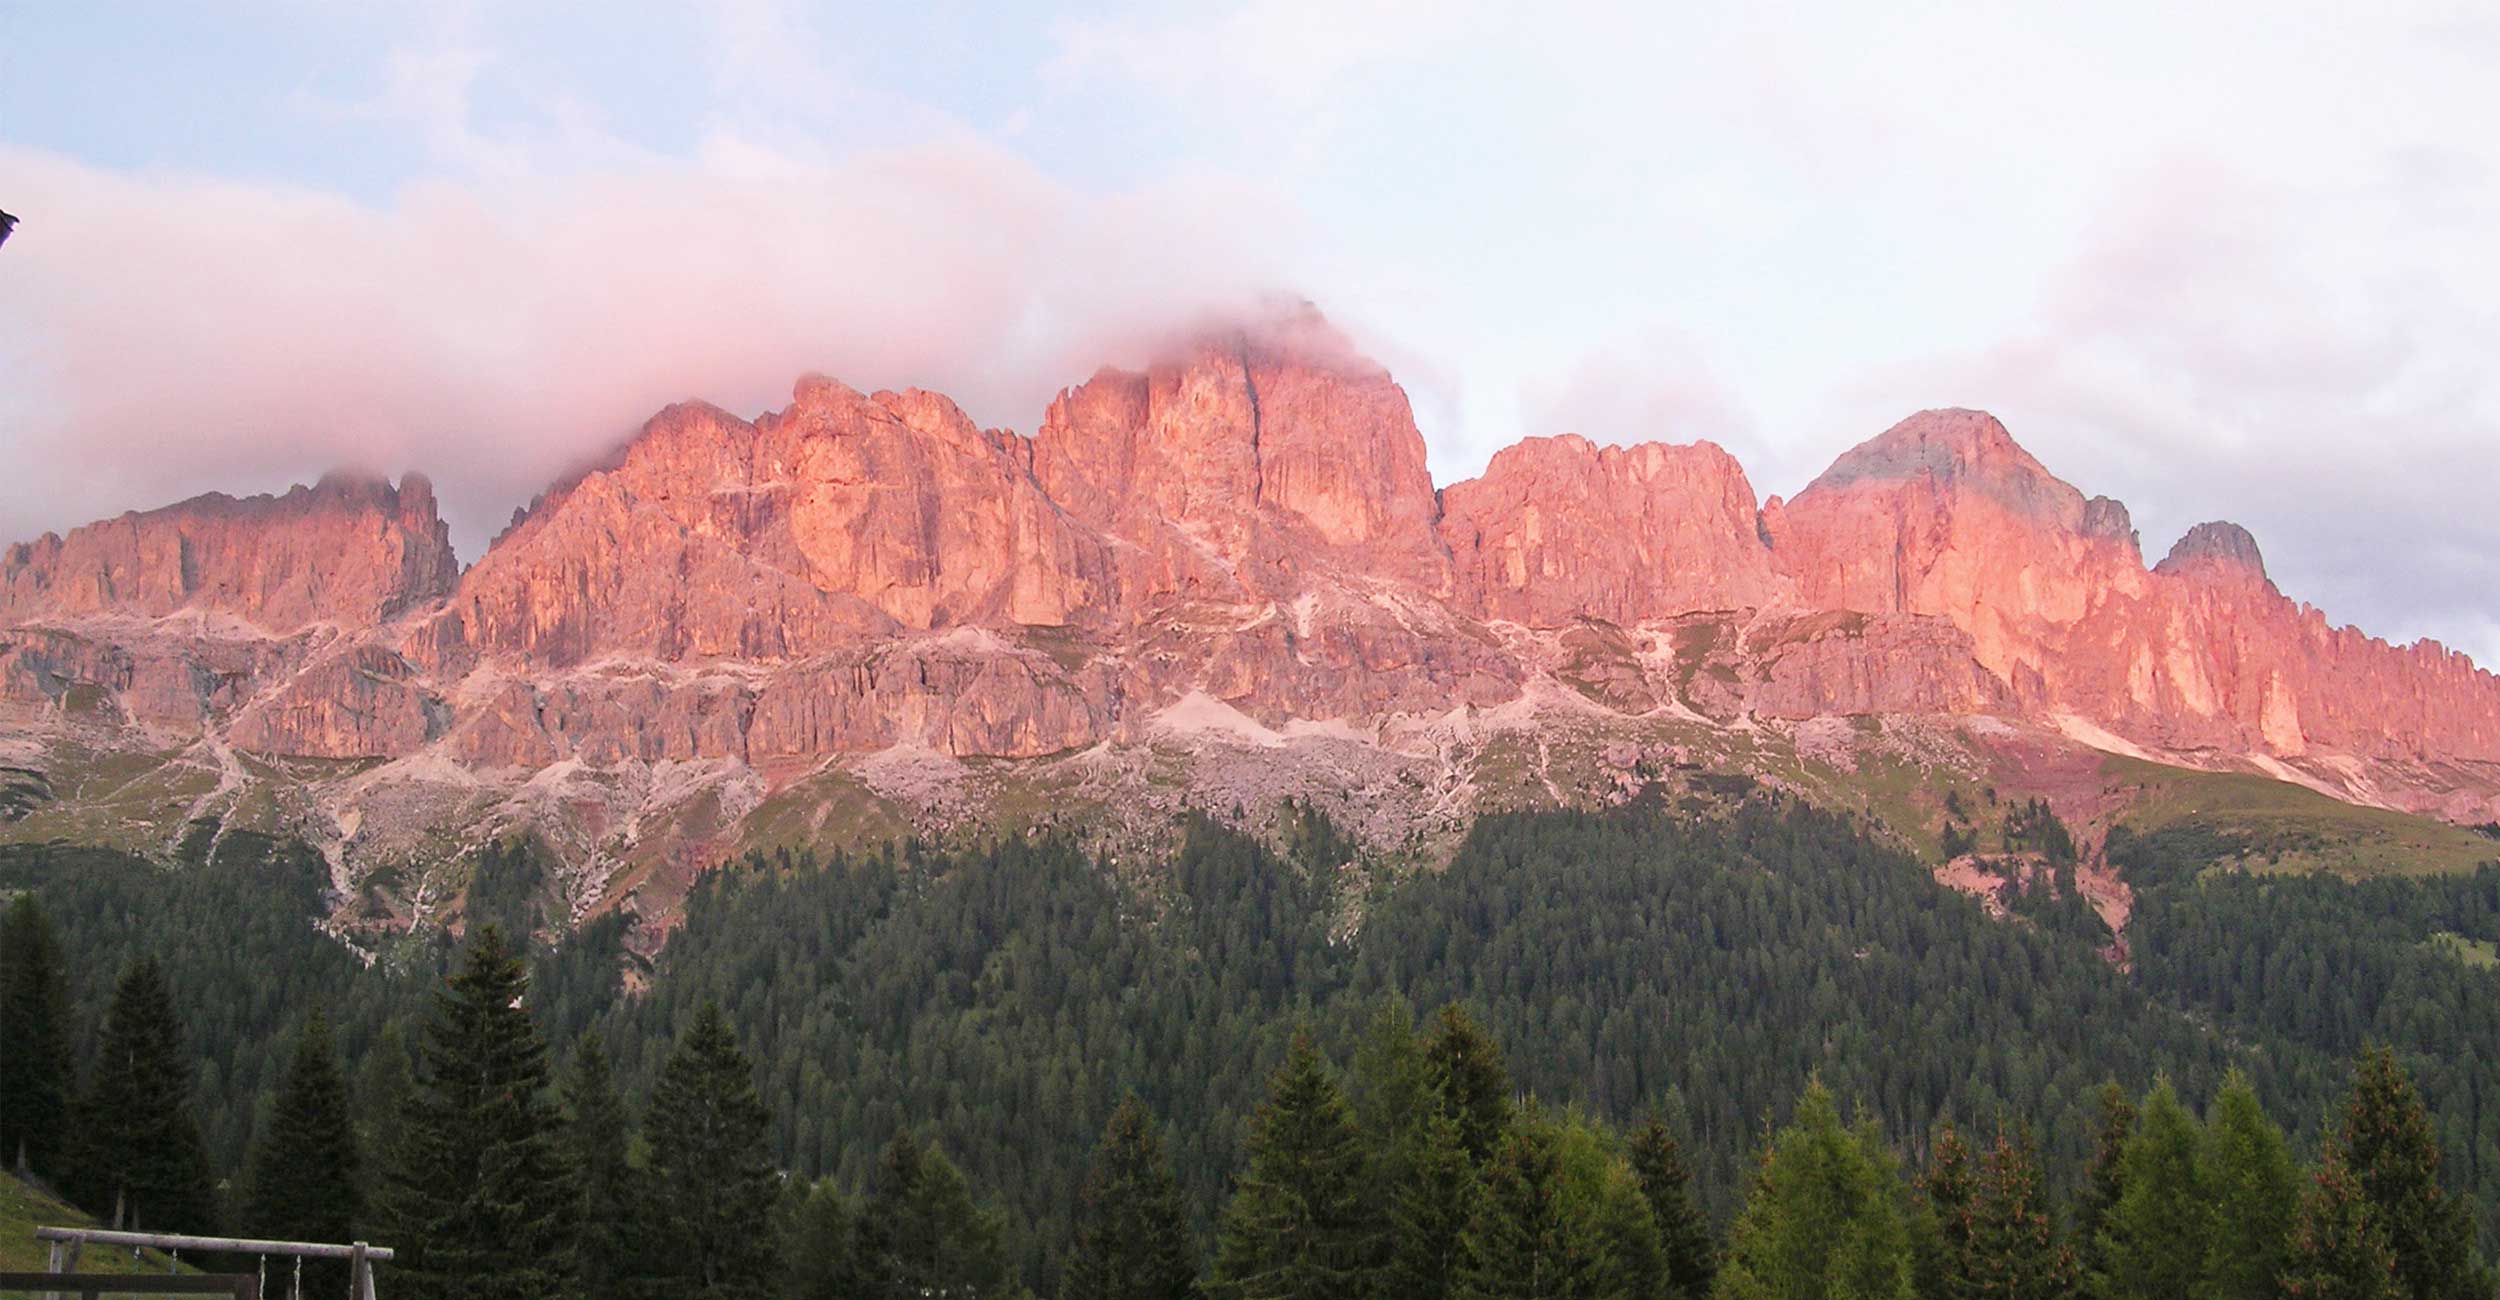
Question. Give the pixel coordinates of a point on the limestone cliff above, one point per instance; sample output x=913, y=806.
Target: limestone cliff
x=1241, y=536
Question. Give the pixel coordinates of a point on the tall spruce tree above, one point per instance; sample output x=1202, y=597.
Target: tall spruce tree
x=2387, y=1141
x=35, y=1070
x=141, y=1163
x=712, y=1184
x=476, y=1193
x=816, y=1238
x=1465, y=1066
x=2337, y=1249
x=2012, y=1250
x=610, y=1236
x=1428, y=1217
x=2255, y=1187
x=1132, y=1232
x=1601, y=1192
x=2154, y=1240
x=1298, y=1226
x=2104, y=1180
x=385, y=1079
x=1823, y=1217
x=920, y=1233
x=1683, y=1229
x=304, y=1180
x=1525, y=1241
x=1392, y=1097
x=1950, y=1186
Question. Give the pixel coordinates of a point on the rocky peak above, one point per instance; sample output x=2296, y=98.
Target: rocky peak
x=1246, y=520
x=1945, y=515
x=2107, y=518
x=1244, y=456
x=1953, y=449
x=2214, y=547
x=1931, y=516
x=350, y=550
x=1560, y=528
x=842, y=516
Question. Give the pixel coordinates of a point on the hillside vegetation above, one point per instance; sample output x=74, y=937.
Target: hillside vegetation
x=25, y=1207
x=1000, y=1000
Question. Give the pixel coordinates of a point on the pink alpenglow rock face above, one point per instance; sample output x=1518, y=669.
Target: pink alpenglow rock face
x=346, y=551
x=1244, y=464
x=2218, y=547
x=1944, y=515
x=1248, y=519
x=1560, y=529
x=840, y=518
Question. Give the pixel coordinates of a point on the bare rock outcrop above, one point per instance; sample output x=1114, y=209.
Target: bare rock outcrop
x=1559, y=529
x=347, y=551
x=837, y=520
x=1245, y=465
x=1246, y=524
x=1944, y=516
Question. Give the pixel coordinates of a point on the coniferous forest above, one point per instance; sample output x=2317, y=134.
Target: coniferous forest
x=1620, y=1054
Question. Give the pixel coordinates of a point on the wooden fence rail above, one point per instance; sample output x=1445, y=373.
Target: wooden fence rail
x=68, y=1242
x=91, y=1286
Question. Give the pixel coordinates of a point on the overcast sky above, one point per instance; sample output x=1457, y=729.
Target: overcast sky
x=2227, y=260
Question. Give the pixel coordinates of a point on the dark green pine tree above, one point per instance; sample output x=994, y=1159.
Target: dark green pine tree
x=1428, y=1217
x=712, y=1184
x=2154, y=1239
x=1298, y=1226
x=1392, y=1096
x=2012, y=1248
x=1950, y=1185
x=1603, y=1196
x=1683, y=1230
x=816, y=1232
x=476, y=1193
x=1823, y=1217
x=1132, y=1232
x=2248, y=1172
x=140, y=1162
x=894, y=1252
x=2104, y=1180
x=1525, y=1241
x=35, y=1069
x=304, y=1180
x=2337, y=1251
x=920, y=1234
x=385, y=1080
x=2387, y=1141
x=1465, y=1066
x=610, y=1233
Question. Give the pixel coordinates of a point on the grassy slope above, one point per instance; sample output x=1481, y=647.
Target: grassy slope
x=23, y=1208
x=2295, y=828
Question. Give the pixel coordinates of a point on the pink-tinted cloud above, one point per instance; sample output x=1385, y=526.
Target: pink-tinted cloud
x=1656, y=388
x=2206, y=355
x=162, y=335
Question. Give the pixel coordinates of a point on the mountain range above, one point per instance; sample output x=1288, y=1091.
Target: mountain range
x=1223, y=582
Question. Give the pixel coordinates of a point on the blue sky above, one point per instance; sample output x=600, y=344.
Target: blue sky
x=2225, y=260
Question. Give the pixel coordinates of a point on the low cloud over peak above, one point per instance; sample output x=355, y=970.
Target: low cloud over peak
x=167, y=334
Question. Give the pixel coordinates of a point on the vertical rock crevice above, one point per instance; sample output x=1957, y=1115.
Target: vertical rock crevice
x=1250, y=386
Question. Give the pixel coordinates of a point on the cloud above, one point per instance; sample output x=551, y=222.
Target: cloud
x=164, y=334
x=2313, y=365
x=1655, y=387
x=2227, y=259
x=1266, y=54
